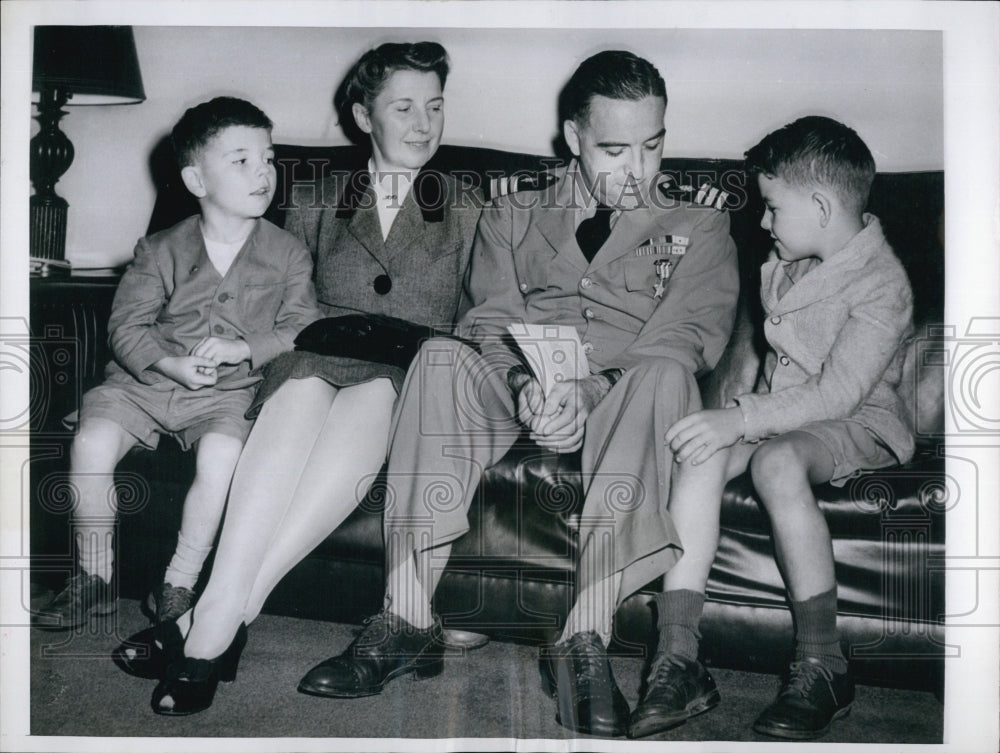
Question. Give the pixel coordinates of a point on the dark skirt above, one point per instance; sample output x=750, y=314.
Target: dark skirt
x=337, y=370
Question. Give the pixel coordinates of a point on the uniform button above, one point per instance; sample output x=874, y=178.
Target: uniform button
x=588, y=348
x=224, y=297
x=218, y=329
x=775, y=320
x=589, y=313
x=783, y=360
x=586, y=282
x=524, y=287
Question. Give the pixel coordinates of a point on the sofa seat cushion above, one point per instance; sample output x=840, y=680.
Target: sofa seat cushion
x=860, y=508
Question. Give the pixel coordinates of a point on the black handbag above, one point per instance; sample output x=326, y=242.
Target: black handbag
x=369, y=337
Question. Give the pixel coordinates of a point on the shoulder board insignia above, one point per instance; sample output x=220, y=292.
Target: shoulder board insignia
x=706, y=195
x=520, y=182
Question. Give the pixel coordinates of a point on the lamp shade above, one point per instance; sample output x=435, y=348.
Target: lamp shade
x=95, y=65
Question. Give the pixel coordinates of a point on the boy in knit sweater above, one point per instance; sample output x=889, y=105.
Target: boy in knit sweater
x=837, y=306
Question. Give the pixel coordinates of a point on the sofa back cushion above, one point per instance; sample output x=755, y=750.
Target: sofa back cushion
x=910, y=206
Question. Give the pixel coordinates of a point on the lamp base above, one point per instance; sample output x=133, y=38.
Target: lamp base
x=47, y=235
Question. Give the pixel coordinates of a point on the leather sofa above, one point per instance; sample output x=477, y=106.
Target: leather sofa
x=511, y=576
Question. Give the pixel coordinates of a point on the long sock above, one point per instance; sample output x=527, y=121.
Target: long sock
x=95, y=546
x=185, y=566
x=816, y=633
x=679, y=613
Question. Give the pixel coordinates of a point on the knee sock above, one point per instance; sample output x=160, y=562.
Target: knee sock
x=816, y=633
x=95, y=547
x=678, y=619
x=185, y=566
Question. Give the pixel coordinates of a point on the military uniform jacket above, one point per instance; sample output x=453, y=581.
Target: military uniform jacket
x=835, y=338
x=171, y=297
x=423, y=259
x=526, y=266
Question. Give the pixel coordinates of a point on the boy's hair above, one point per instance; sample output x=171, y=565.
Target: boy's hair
x=615, y=74
x=203, y=122
x=815, y=150
x=367, y=76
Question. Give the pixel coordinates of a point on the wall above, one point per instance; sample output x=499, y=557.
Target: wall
x=727, y=88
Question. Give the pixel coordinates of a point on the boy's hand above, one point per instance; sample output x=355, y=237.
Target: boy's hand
x=702, y=434
x=193, y=372
x=221, y=350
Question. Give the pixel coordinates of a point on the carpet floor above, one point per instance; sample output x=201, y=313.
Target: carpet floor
x=492, y=692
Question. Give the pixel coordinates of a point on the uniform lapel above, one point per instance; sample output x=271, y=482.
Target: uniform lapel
x=555, y=219
x=630, y=230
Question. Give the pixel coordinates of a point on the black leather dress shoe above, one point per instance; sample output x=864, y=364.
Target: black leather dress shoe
x=811, y=699
x=676, y=690
x=387, y=648
x=579, y=675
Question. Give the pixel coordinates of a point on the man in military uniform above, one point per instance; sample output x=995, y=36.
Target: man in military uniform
x=649, y=283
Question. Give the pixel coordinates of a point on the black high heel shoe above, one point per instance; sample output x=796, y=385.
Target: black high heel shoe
x=148, y=653
x=190, y=684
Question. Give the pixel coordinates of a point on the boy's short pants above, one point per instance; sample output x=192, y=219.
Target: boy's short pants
x=854, y=448
x=146, y=411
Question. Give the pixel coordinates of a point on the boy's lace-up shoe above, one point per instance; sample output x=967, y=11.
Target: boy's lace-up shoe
x=809, y=701
x=167, y=602
x=83, y=596
x=386, y=648
x=579, y=675
x=676, y=690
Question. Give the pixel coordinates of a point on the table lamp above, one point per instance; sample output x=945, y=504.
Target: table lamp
x=74, y=65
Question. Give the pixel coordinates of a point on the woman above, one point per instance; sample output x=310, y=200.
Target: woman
x=388, y=240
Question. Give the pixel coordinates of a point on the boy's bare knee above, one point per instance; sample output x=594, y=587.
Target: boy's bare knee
x=95, y=448
x=776, y=464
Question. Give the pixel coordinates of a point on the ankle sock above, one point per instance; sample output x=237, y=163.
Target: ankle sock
x=95, y=547
x=678, y=620
x=816, y=633
x=185, y=566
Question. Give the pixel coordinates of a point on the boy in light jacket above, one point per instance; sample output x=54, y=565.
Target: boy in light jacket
x=837, y=311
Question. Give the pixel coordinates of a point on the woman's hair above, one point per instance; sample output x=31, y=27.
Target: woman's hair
x=367, y=76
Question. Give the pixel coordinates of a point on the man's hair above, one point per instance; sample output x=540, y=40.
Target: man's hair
x=614, y=74
x=200, y=124
x=367, y=76
x=815, y=150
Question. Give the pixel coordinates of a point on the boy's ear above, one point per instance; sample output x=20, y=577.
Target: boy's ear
x=572, y=135
x=191, y=176
x=823, y=206
x=360, y=113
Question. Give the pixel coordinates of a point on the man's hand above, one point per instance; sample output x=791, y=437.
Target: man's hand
x=221, y=350
x=193, y=372
x=702, y=434
x=561, y=423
